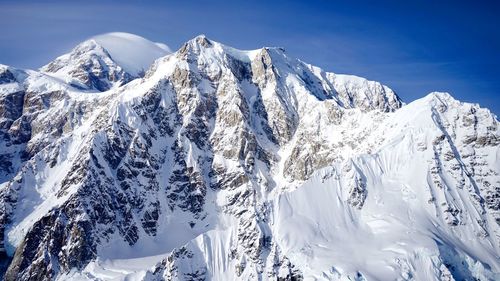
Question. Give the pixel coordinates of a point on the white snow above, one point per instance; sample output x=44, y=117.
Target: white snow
x=133, y=53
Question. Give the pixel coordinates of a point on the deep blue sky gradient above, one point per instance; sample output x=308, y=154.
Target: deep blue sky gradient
x=414, y=47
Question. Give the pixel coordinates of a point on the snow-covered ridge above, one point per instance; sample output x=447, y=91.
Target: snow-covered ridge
x=223, y=164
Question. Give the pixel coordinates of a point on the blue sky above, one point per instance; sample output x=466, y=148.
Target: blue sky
x=414, y=47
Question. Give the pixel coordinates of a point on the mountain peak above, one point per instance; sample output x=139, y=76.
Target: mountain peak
x=201, y=38
x=271, y=66
x=439, y=99
x=107, y=59
x=443, y=96
x=196, y=44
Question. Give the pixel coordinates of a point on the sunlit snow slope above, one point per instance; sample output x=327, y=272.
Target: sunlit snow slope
x=221, y=164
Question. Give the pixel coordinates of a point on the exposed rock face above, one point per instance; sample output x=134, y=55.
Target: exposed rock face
x=240, y=165
x=90, y=65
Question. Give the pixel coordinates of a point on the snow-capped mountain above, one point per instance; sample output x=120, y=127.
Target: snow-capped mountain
x=106, y=60
x=222, y=164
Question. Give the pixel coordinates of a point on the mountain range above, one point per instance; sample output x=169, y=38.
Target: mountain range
x=123, y=160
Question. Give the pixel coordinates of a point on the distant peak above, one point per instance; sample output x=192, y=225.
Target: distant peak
x=202, y=40
x=443, y=97
x=440, y=95
x=200, y=36
x=440, y=100
x=107, y=59
x=133, y=53
x=279, y=49
x=196, y=44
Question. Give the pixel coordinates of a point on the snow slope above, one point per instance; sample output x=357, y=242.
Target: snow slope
x=402, y=231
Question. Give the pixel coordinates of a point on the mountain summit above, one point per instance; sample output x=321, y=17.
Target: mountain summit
x=222, y=164
x=107, y=59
